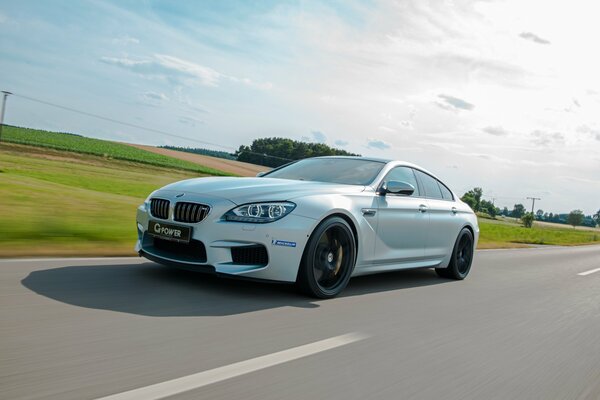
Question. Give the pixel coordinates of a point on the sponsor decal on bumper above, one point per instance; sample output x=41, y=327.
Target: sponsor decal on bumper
x=284, y=243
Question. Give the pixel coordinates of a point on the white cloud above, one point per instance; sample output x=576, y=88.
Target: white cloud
x=178, y=71
x=155, y=96
x=341, y=143
x=544, y=138
x=593, y=132
x=387, y=129
x=533, y=37
x=168, y=68
x=187, y=120
x=125, y=40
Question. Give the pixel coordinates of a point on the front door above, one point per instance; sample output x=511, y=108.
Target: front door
x=403, y=222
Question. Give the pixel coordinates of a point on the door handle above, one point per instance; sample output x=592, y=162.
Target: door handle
x=454, y=210
x=369, y=212
x=422, y=208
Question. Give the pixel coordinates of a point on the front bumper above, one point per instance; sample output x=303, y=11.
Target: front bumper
x=284, y=241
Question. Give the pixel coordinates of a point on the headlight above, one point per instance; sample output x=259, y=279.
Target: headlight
x=260, y=213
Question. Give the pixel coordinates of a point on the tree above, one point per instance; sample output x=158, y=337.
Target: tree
x=527, y=220
x=575, y=218
x=597, y=218
x=488, y=207
x=505, y=211
x=518, y=211
x=473, y=198
x=273, y=152
x=539, y=214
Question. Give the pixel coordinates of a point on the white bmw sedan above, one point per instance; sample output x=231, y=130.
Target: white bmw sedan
x=316, y=222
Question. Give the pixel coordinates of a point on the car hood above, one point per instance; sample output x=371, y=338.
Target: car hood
x=245, y=190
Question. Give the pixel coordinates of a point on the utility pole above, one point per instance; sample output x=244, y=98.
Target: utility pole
x=533, y=199
x=6, y=94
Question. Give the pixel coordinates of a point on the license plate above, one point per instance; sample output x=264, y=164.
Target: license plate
x=175, y=233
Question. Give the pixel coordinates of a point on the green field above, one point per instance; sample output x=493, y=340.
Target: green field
x=502, y=234
x=63, y=203
x=59, y=203
x=103, y=148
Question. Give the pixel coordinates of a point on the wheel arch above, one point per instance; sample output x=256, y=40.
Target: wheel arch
x=470, y=228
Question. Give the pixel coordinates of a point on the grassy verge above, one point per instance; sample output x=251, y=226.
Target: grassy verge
x=58, y=203
x=507, y=234
x=103, y=148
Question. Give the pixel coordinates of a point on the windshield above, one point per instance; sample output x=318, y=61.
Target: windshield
x=349, y=171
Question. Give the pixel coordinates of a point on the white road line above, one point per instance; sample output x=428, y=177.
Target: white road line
x=195, y=381
x=591, y=271
x=5, y=260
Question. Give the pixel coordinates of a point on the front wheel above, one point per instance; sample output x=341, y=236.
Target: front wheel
x=328, y=259
x=462, y=257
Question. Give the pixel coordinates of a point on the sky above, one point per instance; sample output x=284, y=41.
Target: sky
x=504, y=95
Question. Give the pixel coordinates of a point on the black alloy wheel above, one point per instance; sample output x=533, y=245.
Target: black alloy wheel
x=462, y=257
x=328, y=259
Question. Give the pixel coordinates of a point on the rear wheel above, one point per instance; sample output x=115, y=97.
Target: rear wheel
x=328, y=259
x=462, y=257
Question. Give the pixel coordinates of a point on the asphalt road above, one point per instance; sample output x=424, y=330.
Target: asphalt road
x=524, y=325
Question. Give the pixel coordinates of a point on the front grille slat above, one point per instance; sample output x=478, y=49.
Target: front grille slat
x=159, y=208
x=188, y=209
x=190, y=212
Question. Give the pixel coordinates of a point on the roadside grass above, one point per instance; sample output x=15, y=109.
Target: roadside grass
x=56, y=203
x=59, y=203
x=97, y=147
x=505, y=234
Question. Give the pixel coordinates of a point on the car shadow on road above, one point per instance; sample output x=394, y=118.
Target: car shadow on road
x=152, y=290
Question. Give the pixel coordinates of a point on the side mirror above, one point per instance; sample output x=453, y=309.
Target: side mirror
x=261, y=173
x=397, y=187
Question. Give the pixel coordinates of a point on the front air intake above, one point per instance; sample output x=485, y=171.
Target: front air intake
x=250, y=255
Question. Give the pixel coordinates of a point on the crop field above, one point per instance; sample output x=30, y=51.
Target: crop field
x=97, y=147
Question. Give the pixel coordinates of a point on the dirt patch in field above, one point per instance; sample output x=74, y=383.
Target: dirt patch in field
x=233, y=167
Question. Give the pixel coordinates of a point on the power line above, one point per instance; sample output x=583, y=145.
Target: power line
x=124, y=123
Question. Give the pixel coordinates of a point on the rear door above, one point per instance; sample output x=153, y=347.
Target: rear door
x=403, y=224
x=444, y=222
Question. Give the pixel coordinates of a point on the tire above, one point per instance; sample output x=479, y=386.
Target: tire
x=328, y=259
x=462, y=257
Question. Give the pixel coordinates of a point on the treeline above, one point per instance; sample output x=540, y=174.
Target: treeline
x=575, y=218
x=204, y=152
x=273, y=152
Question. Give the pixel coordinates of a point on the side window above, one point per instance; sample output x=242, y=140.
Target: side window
x=430, y=184
x=404, y=174
x=446, y=193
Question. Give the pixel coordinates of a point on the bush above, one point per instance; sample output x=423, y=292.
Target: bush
x=527, y=220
